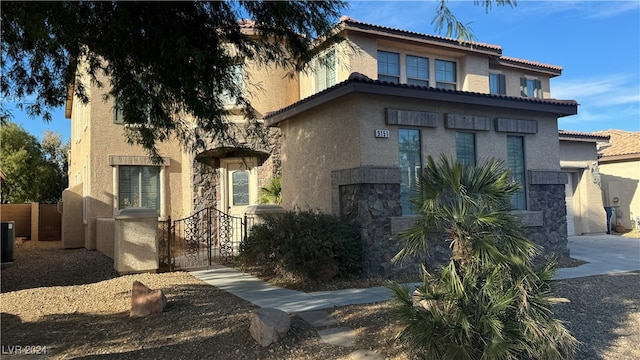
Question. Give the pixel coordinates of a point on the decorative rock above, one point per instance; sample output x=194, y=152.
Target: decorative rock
x=145, y=301
x=269, y=325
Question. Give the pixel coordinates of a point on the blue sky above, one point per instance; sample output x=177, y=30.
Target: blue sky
x=596, y=42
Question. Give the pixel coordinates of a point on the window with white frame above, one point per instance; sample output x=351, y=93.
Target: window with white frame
x=237, y=78
x=139, y=186
x=388, y=66
x=417, y=70
x=410, y=157
x=515, y=162
x=497, y=84
x=240, y=187
x=324, y=70
x=466, y=148
x=530, y=88
x=446, y=74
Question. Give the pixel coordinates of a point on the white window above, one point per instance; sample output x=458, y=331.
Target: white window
x=388, y=66
x=530, y=88
x=497, y=84
x=446, y=74
x=139, y=186
x=417, y=70
x=324, y=68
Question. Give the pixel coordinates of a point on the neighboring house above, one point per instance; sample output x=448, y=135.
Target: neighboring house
x=352, y=135
x=620, y=173
x=579, y=159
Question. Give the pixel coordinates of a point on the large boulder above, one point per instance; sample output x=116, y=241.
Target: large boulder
x=145, y=301
x=269, y=325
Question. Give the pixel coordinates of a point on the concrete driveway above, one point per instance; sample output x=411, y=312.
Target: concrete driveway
x=605, y=254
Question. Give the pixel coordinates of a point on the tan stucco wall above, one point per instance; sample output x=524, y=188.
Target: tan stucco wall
x=622, y=180
x=269, y=88
x=474, y=74
x=90, y=151
x=341, y=134
x=512, y=77
x=541, y=149
x=322, y=141
x=72, y=226
x=105, y=236
x=577, y=158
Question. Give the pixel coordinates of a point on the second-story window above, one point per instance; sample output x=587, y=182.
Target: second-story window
x=325, y=71
x=446, y=74
x=530, y=88
x=388, y=66
x=497, y=84
x=237, y=77
x=417, y=70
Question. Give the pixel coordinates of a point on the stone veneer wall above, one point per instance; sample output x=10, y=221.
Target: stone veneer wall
x=205, y=181
x=370, y=197
x=547, y=196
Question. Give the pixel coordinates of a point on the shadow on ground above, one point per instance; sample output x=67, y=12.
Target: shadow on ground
x=603, y=314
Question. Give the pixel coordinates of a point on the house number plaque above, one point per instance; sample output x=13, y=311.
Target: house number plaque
x=382, y=133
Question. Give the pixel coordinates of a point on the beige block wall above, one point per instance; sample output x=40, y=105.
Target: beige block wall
x=622, y=180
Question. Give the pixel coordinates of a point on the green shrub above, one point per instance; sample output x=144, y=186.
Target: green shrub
x=305, y=244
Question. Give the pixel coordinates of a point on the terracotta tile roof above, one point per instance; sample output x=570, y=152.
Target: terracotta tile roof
x=363, y=79
x=567, y=134
x=530, y=63
x=621, y=143
x=447, y=40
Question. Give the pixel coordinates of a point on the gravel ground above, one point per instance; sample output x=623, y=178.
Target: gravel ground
x=72, y=304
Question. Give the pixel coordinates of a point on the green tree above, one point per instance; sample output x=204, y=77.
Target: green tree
x=164, y=60
x=31, y=173
x=489, y=301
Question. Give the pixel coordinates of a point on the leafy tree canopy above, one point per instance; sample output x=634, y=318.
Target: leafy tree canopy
x=34, y=171
x=164, y=60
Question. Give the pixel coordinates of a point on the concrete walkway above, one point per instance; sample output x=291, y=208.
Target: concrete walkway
x=605, y=254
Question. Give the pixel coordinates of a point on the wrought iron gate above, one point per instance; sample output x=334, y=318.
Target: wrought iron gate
x=208, y=236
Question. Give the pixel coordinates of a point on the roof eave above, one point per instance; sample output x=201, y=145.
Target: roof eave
x=347, y=87
x=423, y=38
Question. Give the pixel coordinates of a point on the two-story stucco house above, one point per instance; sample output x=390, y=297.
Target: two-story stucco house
x=352, y=134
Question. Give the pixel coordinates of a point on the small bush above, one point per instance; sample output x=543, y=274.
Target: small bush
x=305, y=244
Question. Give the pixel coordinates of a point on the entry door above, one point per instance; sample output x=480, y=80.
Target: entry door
x=240, y=185
x=568, y=189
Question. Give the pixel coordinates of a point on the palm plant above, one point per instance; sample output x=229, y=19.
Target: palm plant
x=271, y=193
x=489, y=302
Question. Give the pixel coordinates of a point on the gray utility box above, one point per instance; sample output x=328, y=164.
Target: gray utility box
x=8, y=235
x=135, y=247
